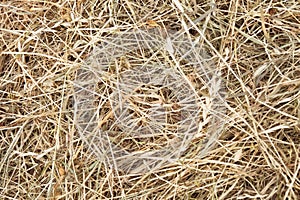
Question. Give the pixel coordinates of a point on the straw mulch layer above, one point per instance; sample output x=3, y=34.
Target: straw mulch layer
x=257, y=46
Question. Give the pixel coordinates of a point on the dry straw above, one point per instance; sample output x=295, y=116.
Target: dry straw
x=256, y=46
x=139, y=99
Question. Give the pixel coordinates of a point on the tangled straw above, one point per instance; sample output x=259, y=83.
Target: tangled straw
x=139, y=99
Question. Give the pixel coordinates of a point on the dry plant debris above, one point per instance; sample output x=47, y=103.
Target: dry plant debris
x=255, y=44
x=146, y=87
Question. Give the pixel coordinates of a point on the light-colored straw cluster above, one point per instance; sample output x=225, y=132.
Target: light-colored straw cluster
x=144, y=95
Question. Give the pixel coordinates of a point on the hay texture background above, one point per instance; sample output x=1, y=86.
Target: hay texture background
x=256, y=46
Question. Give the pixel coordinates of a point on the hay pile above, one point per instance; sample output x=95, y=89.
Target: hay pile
x=139, y=104
x=44, y=45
